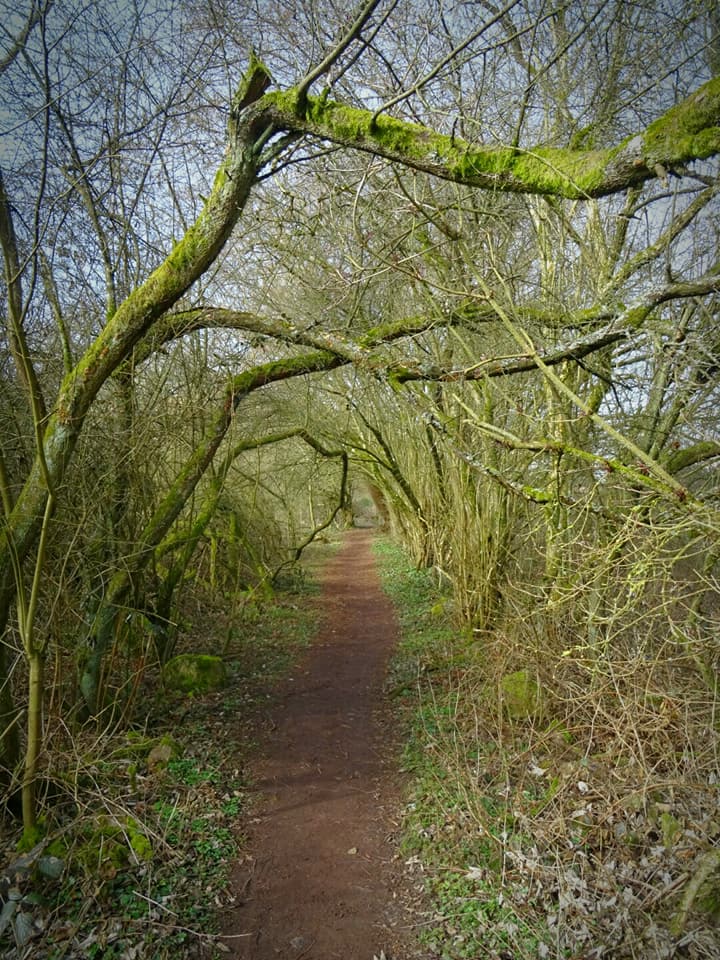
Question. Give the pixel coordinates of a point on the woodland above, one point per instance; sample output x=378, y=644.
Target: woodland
x=454, y=261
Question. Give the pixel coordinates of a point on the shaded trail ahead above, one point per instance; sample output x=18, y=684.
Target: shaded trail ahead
x=321, y=882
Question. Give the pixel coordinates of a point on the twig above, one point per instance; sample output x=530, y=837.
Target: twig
x=195, y=933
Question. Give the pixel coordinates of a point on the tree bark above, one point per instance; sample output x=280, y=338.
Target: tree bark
x=9, y=729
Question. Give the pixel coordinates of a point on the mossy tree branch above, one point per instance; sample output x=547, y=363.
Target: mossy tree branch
x=187, y=261
x=688, y=131
x=180, y=323
x=477, y=312
x=699, y=452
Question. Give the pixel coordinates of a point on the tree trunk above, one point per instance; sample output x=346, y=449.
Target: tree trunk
x=9, y=731
x=34, y=739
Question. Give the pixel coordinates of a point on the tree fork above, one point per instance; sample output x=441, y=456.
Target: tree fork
x=187, y=261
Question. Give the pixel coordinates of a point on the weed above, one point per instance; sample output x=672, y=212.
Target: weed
x=232, y=807
x=185, y=770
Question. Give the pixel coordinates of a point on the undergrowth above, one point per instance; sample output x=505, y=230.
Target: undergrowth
x=569, y=831
x=141, y=826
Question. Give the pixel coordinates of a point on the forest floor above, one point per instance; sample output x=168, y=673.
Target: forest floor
x=293, y=814
x=322, y=878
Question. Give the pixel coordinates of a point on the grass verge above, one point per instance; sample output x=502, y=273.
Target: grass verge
x=139, y=833
x=452, y=832
x=575, y=827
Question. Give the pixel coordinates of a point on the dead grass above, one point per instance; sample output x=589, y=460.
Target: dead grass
x=577, y=830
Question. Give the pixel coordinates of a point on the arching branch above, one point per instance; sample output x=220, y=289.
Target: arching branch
x=688, y=131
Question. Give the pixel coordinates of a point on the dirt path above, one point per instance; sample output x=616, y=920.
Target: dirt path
x=321, y=882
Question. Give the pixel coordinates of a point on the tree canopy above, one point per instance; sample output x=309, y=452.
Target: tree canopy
x=460, y=257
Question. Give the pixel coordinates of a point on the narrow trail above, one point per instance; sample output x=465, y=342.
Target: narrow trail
x=320, y=881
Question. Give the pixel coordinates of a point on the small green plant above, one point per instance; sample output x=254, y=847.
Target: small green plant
x=232, y=807
x=213, y=845
x=187, y=771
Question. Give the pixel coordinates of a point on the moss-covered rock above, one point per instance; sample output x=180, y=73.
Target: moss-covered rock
x=522, y=698
x=195, y=673
x=110, y=845
x=139, y=843
x=162, y=752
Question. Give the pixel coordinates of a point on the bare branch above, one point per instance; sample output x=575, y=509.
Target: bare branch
x=322, y=68
x=37, y=11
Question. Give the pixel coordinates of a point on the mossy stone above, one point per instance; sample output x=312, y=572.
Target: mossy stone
x=521, y=696
x=162, y=752
x=195, y=673
x=111, y=845
x=139, y=843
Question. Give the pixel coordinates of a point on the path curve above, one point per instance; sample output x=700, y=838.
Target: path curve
x=323, y=880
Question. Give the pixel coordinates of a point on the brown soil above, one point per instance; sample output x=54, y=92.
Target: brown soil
x=323, y=879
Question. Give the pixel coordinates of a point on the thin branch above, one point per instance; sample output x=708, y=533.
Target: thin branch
x=322, y=68
x=449, y=58
x=37, y=11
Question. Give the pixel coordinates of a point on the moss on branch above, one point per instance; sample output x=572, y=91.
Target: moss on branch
x=690, y=130
x=697, y=453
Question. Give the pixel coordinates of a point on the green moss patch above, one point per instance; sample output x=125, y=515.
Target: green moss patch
x=690, y=130
x=195, y=673
x=521, y=695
